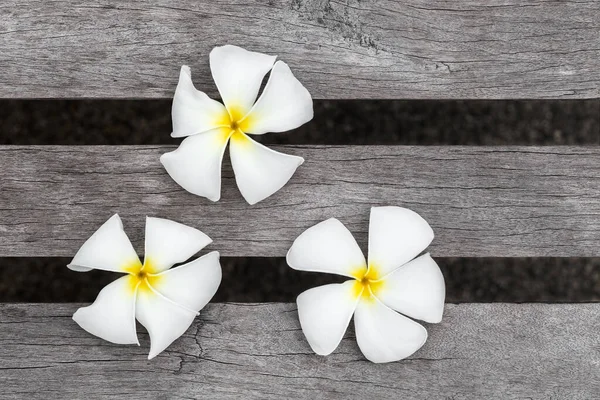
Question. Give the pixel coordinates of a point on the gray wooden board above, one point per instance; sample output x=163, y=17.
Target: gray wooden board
x=338, y=49
x=479, y=351
x=480, y=201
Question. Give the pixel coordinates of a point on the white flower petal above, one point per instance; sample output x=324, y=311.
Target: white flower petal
x=416, y=289
x=325, y=313
x=259, y=171
x=396, y=236
x=193, y=111
x=383, y=335
x=193, y=284
x=164, y=320
x=169, y=242
x=238, y=74
x=107, y=249
x=196, y=164
x=112, y=316
x=327, y=247
x=284, y=104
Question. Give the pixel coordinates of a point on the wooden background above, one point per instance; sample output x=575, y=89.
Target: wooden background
x=482, y=201
x=339, y=49
x=241, y=351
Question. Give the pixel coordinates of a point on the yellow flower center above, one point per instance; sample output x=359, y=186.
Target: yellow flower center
x=233, y=123
x=367, y=283
x=141, y=277
x=237, y=119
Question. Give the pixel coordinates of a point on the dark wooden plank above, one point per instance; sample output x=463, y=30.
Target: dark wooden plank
x=479, y=351
x=339, y=49
x=480, y=201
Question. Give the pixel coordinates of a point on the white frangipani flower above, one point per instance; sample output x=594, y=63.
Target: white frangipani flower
x=390, y=281
x=165, y=301
x=209, y=125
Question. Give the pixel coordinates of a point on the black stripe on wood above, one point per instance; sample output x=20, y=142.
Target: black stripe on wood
x=375, y=122
x=270, y=279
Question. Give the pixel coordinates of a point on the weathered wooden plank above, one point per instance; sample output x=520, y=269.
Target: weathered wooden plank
x=347, y=49
x=480, y=201
x=479, y=351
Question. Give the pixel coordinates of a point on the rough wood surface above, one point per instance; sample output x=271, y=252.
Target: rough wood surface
x=244, y=351
x=338, y=49
x=480, y=201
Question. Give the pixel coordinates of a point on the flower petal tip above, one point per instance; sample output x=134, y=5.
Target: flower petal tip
x=78, y=268
x=287, y=258
x=164, y=158
x=321, y=352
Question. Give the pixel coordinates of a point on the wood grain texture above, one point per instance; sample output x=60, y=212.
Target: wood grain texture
x=338, y=49
x=480, y=201
x=244, y=351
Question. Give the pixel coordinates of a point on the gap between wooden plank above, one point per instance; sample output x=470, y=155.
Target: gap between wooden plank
x=358, y=49
x=480, y=201
x=335, y=122
x=260, y=279
x=479, y=351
